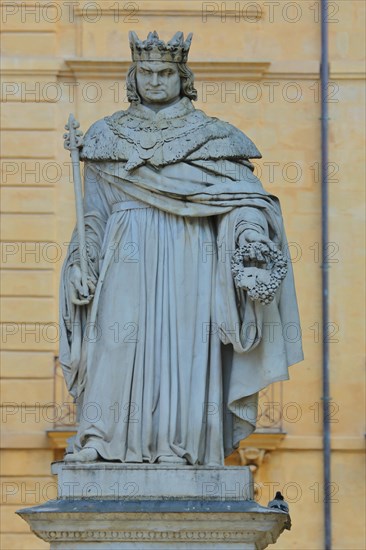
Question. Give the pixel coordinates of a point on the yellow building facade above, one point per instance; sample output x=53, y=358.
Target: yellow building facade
x=257, y=67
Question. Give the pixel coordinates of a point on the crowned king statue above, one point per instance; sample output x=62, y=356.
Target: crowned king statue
x=178, y=322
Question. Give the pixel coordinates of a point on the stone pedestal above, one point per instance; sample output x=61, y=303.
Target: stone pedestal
x=117, y=506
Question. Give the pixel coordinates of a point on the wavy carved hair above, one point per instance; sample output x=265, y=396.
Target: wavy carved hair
x=186, y=83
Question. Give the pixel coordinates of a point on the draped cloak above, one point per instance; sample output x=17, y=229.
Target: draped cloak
x=169, y=357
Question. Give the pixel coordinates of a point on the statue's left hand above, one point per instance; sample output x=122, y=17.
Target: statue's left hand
x=252, y=236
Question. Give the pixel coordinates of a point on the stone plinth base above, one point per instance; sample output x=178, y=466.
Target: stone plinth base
x=213, y=509
x=112, y=480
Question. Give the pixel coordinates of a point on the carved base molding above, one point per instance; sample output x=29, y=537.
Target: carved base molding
x=169, y=510
x=224, y=525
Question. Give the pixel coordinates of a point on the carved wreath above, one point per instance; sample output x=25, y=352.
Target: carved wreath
x=261, y=283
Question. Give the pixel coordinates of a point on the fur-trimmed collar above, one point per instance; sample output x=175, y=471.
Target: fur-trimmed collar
x=180, y=132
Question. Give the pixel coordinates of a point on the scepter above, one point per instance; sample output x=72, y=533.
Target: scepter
x=73, y=142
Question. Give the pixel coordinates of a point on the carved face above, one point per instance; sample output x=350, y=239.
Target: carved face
x=158, y=82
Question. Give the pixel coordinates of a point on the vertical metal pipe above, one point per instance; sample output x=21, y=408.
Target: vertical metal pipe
x=324, y=76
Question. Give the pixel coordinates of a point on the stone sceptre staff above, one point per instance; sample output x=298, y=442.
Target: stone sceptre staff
x=73, y=142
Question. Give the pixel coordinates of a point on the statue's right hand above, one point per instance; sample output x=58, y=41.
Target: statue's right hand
x=77, y=295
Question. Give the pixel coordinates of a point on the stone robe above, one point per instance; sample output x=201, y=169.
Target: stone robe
x=169, y=357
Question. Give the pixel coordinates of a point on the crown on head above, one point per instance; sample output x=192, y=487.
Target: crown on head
x=154, y=49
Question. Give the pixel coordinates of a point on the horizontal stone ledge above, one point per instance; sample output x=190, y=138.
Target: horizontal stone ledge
x=130, y=12
x=208, y=69
x=205, y=69
x=80, y=524
x=270, y=441
x=177, y=506
x=315, y=443
x=228, y=69
x=17, y=66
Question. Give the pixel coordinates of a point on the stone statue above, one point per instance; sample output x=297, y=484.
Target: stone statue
x=183, y=320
